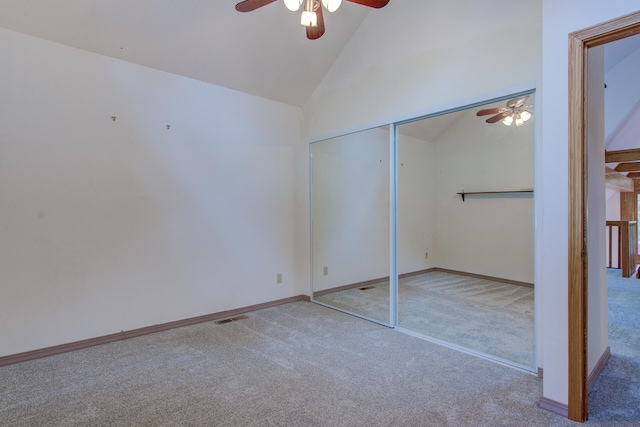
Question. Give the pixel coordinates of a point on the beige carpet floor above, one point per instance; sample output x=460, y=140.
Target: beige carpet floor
x=615, y=398
x=486, y=316
x=302, y=364
x=298, y=364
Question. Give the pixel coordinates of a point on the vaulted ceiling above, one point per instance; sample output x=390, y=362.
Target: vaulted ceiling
x=264, y=52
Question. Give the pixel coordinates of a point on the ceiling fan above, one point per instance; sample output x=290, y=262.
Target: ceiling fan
x=311, y=17
x=514, y=112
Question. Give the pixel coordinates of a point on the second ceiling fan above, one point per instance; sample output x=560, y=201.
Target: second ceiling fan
x=311, y=17
x=515, y=112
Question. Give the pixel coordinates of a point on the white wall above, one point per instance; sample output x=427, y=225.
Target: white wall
x=598, y=335
x=351, y=209
x=560, y=19
x=613, y=205
x=622, y=102
x=109, y=226
x=416, y=56
x=612, y=212
x=490, y=235
x=352, y=206
x=417, y=180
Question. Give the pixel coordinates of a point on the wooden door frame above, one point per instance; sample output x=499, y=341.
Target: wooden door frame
x=579, y=42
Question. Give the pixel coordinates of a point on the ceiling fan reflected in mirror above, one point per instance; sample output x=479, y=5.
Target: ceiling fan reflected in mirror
x=311, y=16
x=515, y=112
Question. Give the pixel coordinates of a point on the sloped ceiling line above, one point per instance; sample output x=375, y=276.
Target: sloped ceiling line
x=264, y=53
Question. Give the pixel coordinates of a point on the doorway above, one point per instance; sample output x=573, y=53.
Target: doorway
x=579, y=257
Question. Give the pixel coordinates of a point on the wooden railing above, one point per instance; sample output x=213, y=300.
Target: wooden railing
x=627, y=247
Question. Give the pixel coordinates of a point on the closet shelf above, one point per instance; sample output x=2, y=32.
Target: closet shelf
x=463, y=193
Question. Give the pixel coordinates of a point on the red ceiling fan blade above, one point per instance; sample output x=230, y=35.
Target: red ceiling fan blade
x=314, y=33
x=249, y=5
x=371, y=3
x=491, y=111
x=498, y=117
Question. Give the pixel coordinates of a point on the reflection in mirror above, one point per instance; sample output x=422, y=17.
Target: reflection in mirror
x=466, y=266
x=350, y=239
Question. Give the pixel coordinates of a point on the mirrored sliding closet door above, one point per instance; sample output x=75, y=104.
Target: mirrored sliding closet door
x=350, y=223
x=445, y=206
x=465, y=261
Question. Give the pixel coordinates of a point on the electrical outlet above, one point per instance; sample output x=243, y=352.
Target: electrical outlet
x=279, y=278
x=326, y=271
x=426, y=255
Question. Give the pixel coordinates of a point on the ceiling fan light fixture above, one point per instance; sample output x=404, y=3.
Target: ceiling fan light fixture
x=331, y=5
x=293, y=5
x=309, y=19
x=312, y=15
x=508, y=120
x=525, y=115
x=519, y=121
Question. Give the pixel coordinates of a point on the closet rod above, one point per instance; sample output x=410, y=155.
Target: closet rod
x=462, y=193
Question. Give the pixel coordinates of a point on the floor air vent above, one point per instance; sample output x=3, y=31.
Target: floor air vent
x=229, y=320
x=366, y=288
